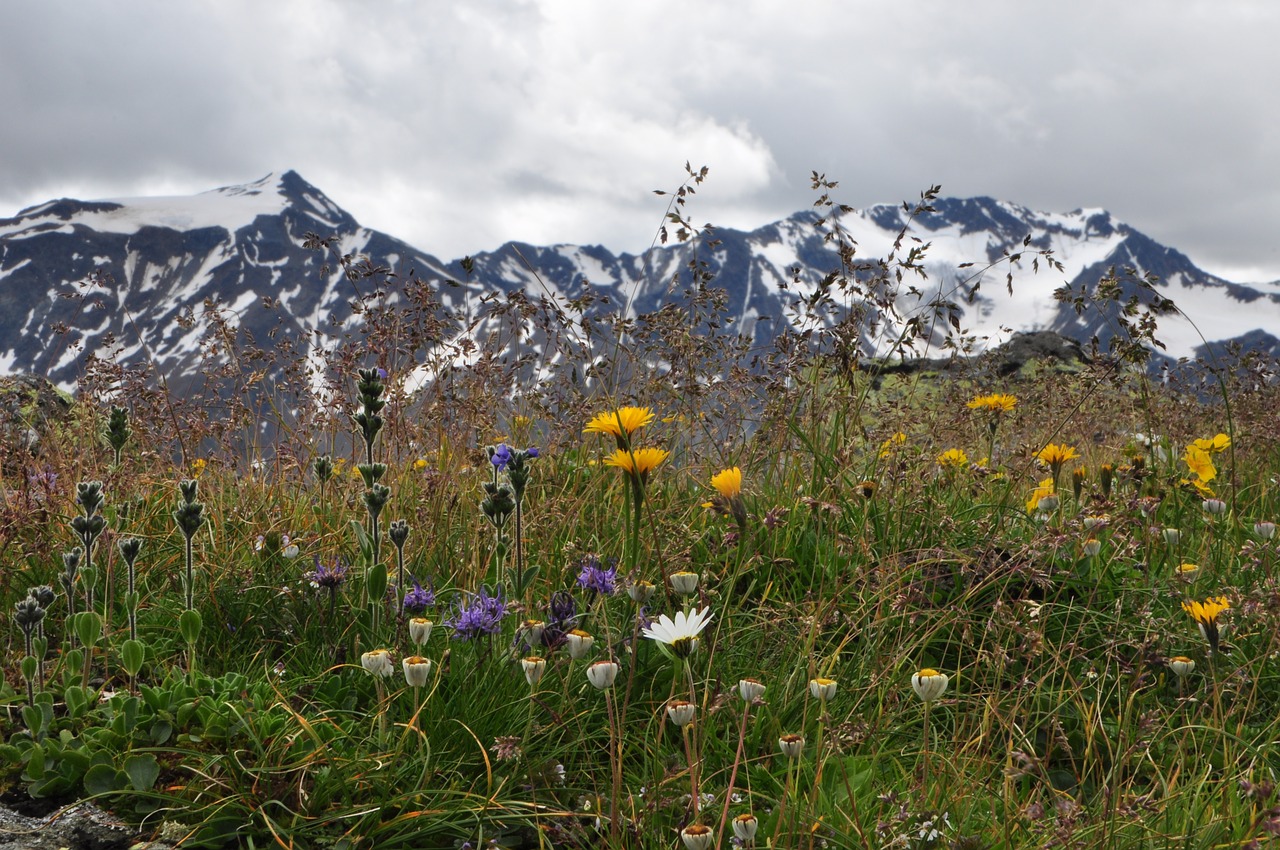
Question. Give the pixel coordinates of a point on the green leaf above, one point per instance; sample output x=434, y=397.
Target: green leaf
x=35, y=764
x=77, y=700
x=104, y=779
x=363, y=540
x=161, y=731
x=143, y=771
x=33, y=717
x=189, y=625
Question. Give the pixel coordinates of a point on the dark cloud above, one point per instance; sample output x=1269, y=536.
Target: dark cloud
x=459, y=126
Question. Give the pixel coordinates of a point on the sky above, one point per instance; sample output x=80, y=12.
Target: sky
x=458, y=126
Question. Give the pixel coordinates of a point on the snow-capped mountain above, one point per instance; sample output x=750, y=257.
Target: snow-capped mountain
x=141, y=280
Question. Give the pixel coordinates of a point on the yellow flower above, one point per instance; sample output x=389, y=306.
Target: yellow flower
x=728, y=482
x=1206, y=616
x=638, y=462
x=1197, y=460
x=995, y=402
x=1043, y=491
x=621, y=423
x=953, y=459
x=1054, y=455
x=420, y=463
x=887, y=447
x=197, y=467
x=1213, y=445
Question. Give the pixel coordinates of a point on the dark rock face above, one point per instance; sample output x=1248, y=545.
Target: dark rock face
x=83, y=826
x=1037, y=345
x=29, y=407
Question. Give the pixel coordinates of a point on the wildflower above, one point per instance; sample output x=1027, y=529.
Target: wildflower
x=791, y=745
x=621, y=423
x=1054, y=456
x=597, y=578
x=888, y=446
x=534, y=667
x=681, y=712
x=416, y=670
x=640, y=591
x=638, y=463
x=728, y=482
x=562, y=613
x=377, y=662
x=1264, y=530
x=684, y=582
x=1181, y=665
x=696, y=836
x=1092, y=522
x=1213, y=445
x=822, y=689
x=479, y=614
x=680, y=634
x=420, y=463
x=331, y=578
x=1042, y=493
x=419, y=599
x=579, y=643
x=1077, y=482
x=198, y=466
x=1200, y=464
x=500, y=456
x=1106, y=475
x=288, y=549
x=996, y=403
x=929, y=684
x=750, y=689
x=744, y=827
x=1188, y=570
x=1091, y=547
x=420, y=630
x=602, y=674
x=1206, y=616
x=505, y=748
x=1215, y=507
x=728, y=499
x=867, y=488
x=533, y=631
x=952, y=460
x=1172, y=536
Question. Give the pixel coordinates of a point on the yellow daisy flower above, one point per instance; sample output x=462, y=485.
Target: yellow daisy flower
x=995, y=402
x=728, y=482
x=638, y=462
x=621, y=423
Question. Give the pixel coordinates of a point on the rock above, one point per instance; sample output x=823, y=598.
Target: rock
x=81, y=826
x=30, y=407
x=1036, y=345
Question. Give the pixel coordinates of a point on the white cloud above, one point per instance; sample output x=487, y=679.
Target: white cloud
x=459, y=126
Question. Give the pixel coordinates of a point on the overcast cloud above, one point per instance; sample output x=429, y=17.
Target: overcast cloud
x=459, y=125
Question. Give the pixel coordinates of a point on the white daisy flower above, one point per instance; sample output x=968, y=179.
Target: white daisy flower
x=681, y=634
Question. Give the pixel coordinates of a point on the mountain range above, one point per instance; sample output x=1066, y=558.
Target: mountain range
x=141, y=281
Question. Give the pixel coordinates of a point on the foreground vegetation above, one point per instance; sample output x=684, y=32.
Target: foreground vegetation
x=805, y=606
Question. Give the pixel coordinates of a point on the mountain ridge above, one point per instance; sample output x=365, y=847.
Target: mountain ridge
x=123, y=278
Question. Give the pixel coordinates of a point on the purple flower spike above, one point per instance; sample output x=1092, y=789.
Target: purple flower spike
x=478, y=614
x=419, y=599
x=598, y=578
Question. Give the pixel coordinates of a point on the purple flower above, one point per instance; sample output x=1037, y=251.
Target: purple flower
x=330, y=577
x=382, y=374
x=501, y=456
x=478, y=614
x=419, y=599
x=597, y=578
x=562, y=615
x=531, y=452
